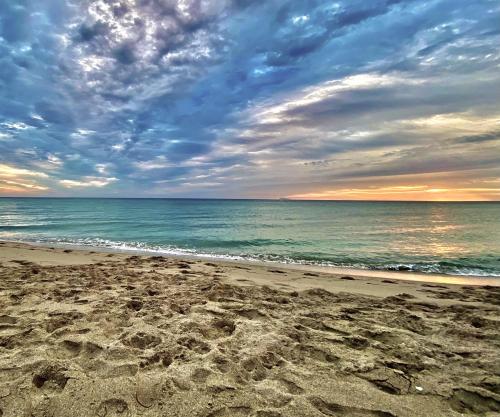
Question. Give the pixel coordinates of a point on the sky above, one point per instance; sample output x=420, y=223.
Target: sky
x=354, y=99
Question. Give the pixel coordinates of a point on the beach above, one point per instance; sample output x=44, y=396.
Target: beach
x=92, y=333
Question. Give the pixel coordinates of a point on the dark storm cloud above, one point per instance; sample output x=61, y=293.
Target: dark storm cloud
x=148, y=92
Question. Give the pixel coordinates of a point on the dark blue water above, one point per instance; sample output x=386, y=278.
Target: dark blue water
x=450, y=238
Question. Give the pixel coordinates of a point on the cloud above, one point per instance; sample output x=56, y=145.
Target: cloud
x=404, y=192
x=103, y=168
x=88, y=181
x=7, y=171
x=158, y=163
x=54, y=160
x=291, y=108
x=20, y=181
x=20, y=186
x=249, y=98
x=15, y=125
x=485, y=137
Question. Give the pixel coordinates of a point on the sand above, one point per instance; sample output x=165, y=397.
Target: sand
x=98, y=334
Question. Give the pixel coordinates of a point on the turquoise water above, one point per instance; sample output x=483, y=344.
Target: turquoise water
x=450, y=238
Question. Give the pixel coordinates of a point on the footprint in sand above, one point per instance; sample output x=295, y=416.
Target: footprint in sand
x=134, y=304
x=113, y=407
x=92, y=349
x=142, y=340
x=468, y=401
x=254, y=368
x=51, y=376
x=219, y=328
x=356, y=342
x=222, y=363
x=194, y=344
x=73, y=347
x=200, y=375
x=59, y=320
x=291, y=387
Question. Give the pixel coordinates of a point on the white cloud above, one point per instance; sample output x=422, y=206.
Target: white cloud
x=16, y=125
x=54, y=160
x=454, y=123
x=88, y=181
x=8, y=171
x=13, y=179
x=279, y=111
x=37, y=117
x=27, y=185
x=118, y=147
x=102, y=168
x=84, y=132
x=5, y=136
x=297, y=20
x=157, y=163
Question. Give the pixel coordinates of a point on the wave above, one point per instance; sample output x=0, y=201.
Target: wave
x=446, y=267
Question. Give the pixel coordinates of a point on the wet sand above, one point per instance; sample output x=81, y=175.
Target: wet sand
x=103, y=334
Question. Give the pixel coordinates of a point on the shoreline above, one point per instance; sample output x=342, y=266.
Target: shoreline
x=437, y=278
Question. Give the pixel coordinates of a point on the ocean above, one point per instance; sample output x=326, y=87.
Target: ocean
x=446, y=238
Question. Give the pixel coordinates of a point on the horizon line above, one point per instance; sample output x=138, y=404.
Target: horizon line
x=278, y=199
